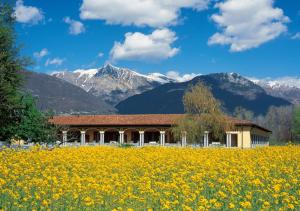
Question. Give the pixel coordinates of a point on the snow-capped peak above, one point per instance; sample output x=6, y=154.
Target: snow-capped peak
x=89, y=72
x=161, y=78
x=288, y=82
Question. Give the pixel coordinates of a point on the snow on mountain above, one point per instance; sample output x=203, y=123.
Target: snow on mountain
x=288, y=82
x=113, y=84
x=161, y=78
x=89, y=73
x=284, y=87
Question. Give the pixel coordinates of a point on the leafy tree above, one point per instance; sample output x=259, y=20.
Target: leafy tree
x=296, y=124
x=10, y=80
x=34, y=125
x=202, y=113
x=19, y=117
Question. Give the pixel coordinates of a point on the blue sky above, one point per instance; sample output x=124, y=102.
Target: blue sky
x=252, y=37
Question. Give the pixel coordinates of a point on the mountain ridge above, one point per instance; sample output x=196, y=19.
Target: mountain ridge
x=230, y=88
x=113, y=84
x=62, y=97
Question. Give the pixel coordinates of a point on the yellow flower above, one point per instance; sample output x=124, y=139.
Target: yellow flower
x=266, y=204
x=88, y=201
x=246, y=204
x=45, y=203
x=112, y=178
x=231, y=206
x=277, y=188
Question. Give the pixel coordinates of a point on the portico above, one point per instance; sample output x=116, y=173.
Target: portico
x=152, y=129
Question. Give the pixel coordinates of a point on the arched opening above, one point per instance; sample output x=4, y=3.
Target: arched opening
x=92, y=136
x=170, y=139
x=111, y=136
x=152, y=136
x=73, y=135
x=216, y=141
x=131, y=136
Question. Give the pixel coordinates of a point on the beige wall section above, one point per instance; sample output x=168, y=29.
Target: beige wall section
x=243, y=135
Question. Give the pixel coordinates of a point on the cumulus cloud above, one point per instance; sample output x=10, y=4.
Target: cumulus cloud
x=54, y=61
x=75, y=27
x=180, y=78
x=155, y=13
x=296, y=36
x=27, y=14
x=44, y=52
x=139, y=46
x=247, y=24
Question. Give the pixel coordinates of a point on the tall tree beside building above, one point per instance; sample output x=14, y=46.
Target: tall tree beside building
x=19, y=117
x=10, y=81
x=202, y=113
x=296, y=124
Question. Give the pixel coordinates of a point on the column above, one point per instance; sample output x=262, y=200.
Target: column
x=141, y=143
x=101, y=137
x=183, y=139
x=82, y=137
x=228, y=140
x=205, y=139
x=162, y=138
x=65, y=137
x=121, y=137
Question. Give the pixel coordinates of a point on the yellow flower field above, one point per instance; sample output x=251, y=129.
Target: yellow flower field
x=154, y=178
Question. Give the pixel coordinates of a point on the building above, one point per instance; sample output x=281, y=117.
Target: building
x=150, y=129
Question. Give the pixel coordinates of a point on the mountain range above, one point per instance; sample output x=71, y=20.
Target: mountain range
x=62, y=97
x=287, y=88
x=112, y=89
x=113, y=84
x=231, y=89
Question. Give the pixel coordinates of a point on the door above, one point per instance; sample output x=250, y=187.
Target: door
x=234, y=140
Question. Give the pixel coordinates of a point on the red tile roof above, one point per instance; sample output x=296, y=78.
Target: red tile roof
x=142, y=119
x=131, y=120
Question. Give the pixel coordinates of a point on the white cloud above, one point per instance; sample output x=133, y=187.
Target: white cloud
x=296, y=36
x=138, y=46
x=155, y=13
x=181, y=78
x=27, y=14
x=55, y=61
x=248, y=24
x=100, y=54
x=41, y=54
x=76, y=27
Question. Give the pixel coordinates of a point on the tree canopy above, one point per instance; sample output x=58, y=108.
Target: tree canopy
x=19, y=117
x=296, y=124
x=202, y=113
x=10, y=80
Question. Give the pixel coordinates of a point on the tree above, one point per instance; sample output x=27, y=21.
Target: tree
x=34, y=125
x=279, y=121
x=202, y=113
x=243, y=114
x=19, y=117
x=10, y=80
x=296, y=124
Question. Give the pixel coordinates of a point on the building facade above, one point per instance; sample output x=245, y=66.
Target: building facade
x=150, y=129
